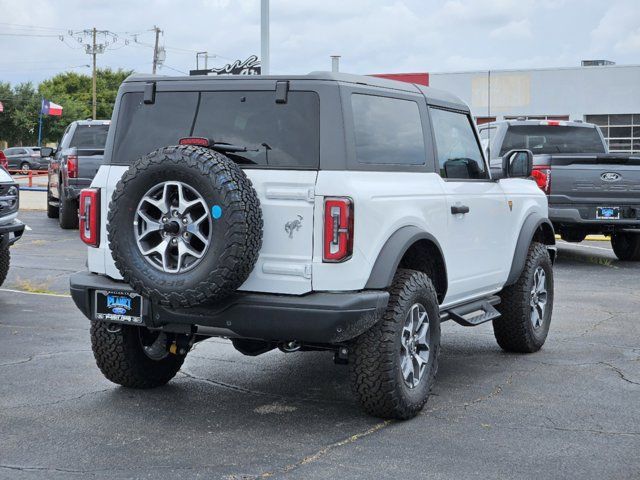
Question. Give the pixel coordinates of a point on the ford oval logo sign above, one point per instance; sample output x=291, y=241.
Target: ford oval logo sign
x=611, y=177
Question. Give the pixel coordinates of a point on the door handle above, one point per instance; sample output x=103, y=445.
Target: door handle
x=455, y=209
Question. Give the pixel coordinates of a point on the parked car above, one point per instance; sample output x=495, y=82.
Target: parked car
x=11, y=229
x=590, y=190
x=25, y=159
x=3, y=160
x=321, y=212
x=73, y=165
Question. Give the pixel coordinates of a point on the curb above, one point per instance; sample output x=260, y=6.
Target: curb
x=593, y=238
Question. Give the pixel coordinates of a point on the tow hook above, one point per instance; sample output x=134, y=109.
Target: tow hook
x=181, y=344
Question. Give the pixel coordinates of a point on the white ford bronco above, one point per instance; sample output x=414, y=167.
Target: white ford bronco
x=318, y=212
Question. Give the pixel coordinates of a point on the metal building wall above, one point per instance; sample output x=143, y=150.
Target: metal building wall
x=575, y=91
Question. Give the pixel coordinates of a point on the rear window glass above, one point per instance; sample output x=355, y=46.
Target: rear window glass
x=387, y=130
x=275, y=135
x=90, y=136
x=552, y=139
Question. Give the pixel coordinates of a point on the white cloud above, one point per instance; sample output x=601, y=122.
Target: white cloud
x=619, y=29
x=371, y=35
x=513, y=30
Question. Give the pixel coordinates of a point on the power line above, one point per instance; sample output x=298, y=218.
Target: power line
x=35, y=27
x=27, y=35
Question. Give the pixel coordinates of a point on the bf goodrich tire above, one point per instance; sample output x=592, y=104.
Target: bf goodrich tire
x=393, y=365
x=5, y=259
x=185, y=226
x=52, y=212
x=626, y=246
x=121, y=357
x=527, y=305
x=68, y=212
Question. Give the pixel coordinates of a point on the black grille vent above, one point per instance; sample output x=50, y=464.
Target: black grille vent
x=8, y=204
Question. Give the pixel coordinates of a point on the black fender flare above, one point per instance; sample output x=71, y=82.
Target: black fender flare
x=392, y=252
x=529, y=228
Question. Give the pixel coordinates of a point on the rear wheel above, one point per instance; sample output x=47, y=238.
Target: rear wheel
x=67, y=211
x=133, y=357
x=626, y=246
x=5, y=258
x=25, y=167
x=527, y=305
x=393, y=365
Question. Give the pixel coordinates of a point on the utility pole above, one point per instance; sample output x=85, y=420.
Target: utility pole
x=93, y=48
x=264, y=37
x=155, y=49
x=94, y=101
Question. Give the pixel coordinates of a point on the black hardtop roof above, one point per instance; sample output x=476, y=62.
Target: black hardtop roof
x=433, y=95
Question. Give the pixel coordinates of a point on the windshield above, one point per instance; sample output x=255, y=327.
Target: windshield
x=275, y=135
x=545, y=139
x=90, y=136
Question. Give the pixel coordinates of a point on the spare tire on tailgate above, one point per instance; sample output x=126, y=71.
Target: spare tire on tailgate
x=185, y=226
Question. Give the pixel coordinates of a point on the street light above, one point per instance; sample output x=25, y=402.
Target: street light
x=264, y=37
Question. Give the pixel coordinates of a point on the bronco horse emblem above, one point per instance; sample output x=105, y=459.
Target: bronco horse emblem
x=293, y=226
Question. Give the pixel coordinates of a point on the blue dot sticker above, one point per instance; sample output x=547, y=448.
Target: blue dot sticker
x=216, y=211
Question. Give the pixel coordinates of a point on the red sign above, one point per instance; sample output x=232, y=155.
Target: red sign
x=419, y=78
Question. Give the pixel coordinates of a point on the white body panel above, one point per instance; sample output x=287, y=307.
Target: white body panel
x=478, y=247
x=284, y=264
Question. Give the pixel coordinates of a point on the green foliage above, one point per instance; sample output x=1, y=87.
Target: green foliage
x=19, y=121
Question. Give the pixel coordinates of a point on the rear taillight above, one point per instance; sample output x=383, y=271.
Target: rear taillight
x=338, y=229
x=90, y=216
x=72, y=166
x=542, y=175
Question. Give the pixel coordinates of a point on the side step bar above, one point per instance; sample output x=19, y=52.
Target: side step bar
x=483, y=310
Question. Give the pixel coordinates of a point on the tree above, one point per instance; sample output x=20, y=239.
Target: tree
x=73, y=91
x=19, y=121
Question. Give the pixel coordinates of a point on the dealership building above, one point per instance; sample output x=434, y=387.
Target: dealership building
x=598, y=91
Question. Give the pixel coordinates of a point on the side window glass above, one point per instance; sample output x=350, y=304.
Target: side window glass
x=459, y=154
x=387, y=130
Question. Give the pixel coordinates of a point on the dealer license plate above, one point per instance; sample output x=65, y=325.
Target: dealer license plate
x=114, y=306
x=608, y=213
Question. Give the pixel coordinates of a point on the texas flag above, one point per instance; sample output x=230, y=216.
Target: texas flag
x=50, y=108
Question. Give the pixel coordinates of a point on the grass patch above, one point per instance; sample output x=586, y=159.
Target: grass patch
x=34, y=287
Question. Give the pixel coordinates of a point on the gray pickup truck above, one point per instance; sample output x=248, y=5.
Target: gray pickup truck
x=11, y=229
x=590, y=190
x=73, y=165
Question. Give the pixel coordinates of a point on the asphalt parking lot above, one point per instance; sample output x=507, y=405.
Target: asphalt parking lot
x=571, y=410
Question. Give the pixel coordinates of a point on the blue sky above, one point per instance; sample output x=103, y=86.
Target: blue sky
x=371, y=36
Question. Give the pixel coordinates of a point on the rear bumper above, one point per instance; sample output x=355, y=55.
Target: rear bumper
x=316, y=317
x=11, y=232
x=583, y=216
x=72, y=190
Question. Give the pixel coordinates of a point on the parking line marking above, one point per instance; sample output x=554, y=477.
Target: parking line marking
x=10, y=290
x=587, y=246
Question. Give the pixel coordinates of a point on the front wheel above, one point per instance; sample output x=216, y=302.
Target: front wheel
x=52, y=211
x=132, y=356
x=393, y=365
x=527, y=305
x=626, y=246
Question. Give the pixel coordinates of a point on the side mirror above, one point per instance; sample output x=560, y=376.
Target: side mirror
x=46, y=152
x=517, y=164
